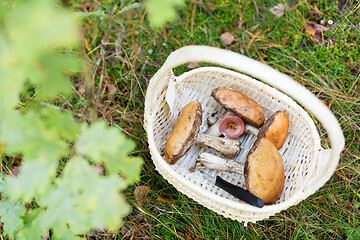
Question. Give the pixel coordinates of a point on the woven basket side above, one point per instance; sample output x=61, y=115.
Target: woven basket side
x=299, y=152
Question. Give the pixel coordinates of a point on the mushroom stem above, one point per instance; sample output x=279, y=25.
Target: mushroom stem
x=251, y=129
x=228, y=147
x=209, y=161
x=211, y=120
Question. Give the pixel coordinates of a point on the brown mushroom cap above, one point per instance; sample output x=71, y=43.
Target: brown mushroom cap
x=275, y=129
x=264, y=171
x=184, y=133
x=248, y=109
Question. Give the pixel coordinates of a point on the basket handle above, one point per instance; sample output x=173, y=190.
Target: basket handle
x=270, y=76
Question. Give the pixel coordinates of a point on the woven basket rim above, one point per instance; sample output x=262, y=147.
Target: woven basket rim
x=226, y=58
x=228, y=202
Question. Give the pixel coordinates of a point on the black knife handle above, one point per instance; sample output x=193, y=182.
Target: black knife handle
x=239, y=192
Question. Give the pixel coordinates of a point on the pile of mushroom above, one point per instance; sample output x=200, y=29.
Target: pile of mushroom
x=263, y=169
x=186, y=133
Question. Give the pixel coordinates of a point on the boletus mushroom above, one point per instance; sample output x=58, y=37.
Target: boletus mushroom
x=275, y=129
x=263, y=170
x=240, y=104
x=186, y=133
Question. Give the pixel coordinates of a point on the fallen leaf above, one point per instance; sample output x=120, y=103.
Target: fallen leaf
x=320, y=28
x=140, y=194
x=227, y=38
x=193, y=65
x=99, y=169
x=278, y=10
x=15, y=171
x=316, y=31
x=311, y=30
x=112, y=89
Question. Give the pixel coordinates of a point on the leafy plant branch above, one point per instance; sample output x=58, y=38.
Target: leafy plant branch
x=32, y=58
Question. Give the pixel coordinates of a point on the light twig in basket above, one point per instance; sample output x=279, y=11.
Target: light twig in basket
x=210, y=161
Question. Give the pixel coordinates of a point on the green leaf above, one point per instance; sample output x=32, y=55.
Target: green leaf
x=11, y=213
x=32, y=229
x=40, y=20
x=34, y=180
x=109, y=146
x=98, y=13
x=84, y=202
x=129, y=7
x=31, y=136
x=63, y=122
x=50, y=75
x=11, y=85
x=2, y=184
x=66, y=235
x=162, y=11
x=34, y=33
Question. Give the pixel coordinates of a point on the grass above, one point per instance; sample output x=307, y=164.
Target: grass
x=124, y=52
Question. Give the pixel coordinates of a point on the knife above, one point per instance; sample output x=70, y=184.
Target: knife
x=236, y=191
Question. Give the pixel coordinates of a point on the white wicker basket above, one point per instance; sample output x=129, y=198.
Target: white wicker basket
x=307, y=165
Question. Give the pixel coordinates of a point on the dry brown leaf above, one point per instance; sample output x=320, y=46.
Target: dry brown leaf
x=99, y=169
x=15, y=171
x=278, y=10
x=227, y=38
x=315, y=31
x=310, y=30
x=112, y=89
x=140, y=194
x=193, y=65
